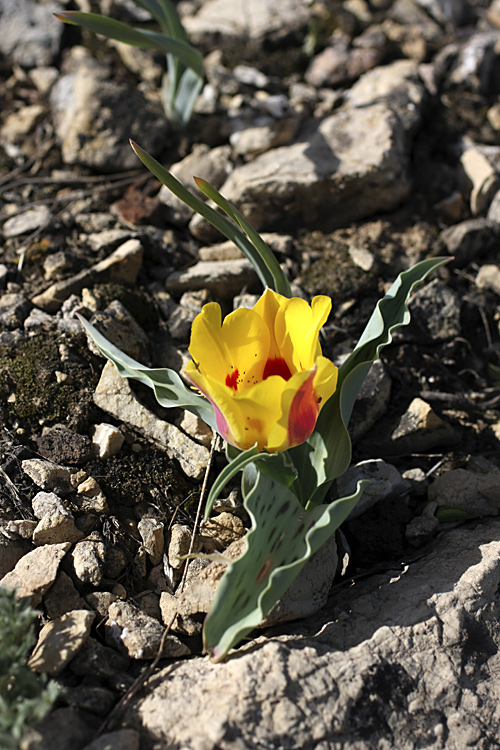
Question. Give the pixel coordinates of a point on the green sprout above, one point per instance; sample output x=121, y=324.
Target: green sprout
x=184, y=79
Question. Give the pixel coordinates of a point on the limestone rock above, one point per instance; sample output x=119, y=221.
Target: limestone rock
x=63, y=728
x=121, y=267
x=115, y=396
x=88, y=561
x=420, y=429
x=306, y=595
x=470, y=240
x=35, y=573
x=152, y=534
x=62, y=597
x=59, y=641
x=372, y=402
x=385, y=481
x=107, y=440
x=348, y=165
x=55, y=528
x=220, y=531
x=489, y=278
x=122, y=739
x=180, y=541
x=30, y=35
x=224, y=278
x=382, y=665
x=14, y=309
x=475, y=493
x=95, y=117
x=138, y=634
x=229, y=18
x=26, y=222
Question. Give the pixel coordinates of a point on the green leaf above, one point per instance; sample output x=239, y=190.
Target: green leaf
x=144, y=38
x=277, y=466
x=327, y=453
x=169, y=389
x=281, y=284
x=180, y=96
x=224, y=225
x=228, y=472
x=282, y=538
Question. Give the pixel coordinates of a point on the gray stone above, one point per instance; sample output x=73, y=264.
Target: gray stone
x=14, y=309
x=107, y=440
x=36, y=571
x=229, y=18
x=213, y=165
x=483, y=177
x=475, y=62
x=115, y=396
x=389, y=663
x=30, y=34
x=47, y=503
x=120, y=328
x=435, y=314
x=494, y=209
x=385, y=481
x=55, y=528
x=224, y=278
x=420, y=429
x=344, y=167
x=27, y=221
x=138, y=634
x=59, y=641
x=488, y=277
x=340, y=63
x=121, y=267
x=421, y=530
x=477, y=494
x=47, y=475
x=94, y=119
x=152, y=535
x=470, y=240
x=88, y=561
x=63, y=728
x=122, y=739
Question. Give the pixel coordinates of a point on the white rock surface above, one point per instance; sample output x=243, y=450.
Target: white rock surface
x=115, y=396
x=396, y=661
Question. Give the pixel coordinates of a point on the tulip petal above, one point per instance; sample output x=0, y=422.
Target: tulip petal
x=235, y=352
x=325, y=380
x=297, y=330
x=267, y=307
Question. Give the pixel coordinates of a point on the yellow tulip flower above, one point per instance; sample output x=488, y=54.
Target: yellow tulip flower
x=262, y=370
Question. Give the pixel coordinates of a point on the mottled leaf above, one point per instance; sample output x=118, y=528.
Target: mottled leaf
x=282, y=538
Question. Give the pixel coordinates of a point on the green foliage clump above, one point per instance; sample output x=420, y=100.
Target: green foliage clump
x=25, y=697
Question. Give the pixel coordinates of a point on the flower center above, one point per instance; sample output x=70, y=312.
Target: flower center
x=232, y=380
x=277, y=366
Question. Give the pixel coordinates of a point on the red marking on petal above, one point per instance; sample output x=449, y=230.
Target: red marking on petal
x=276, y=366
x=303, y=413
x=232, y=380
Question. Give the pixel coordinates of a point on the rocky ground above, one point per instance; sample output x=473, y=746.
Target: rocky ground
x=359, y=138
